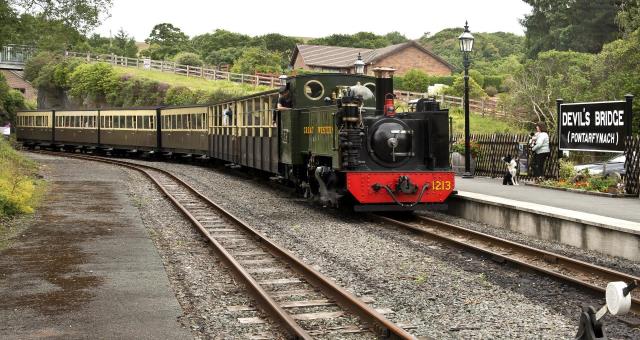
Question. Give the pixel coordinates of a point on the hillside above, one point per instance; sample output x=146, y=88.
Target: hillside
x=190, y=82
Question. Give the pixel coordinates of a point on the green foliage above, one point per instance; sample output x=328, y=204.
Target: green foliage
x=188, y=58
x=126, y=91
x=493, y=81
x=602, y=184
x=628, y=17
x=91, y=83
x=457, y=89
x=206, y=43
x=488, y=49
x=483, y=124
x=121, y=45
x=552, y=75
x=570, y=25
x=491, y=91
x=80, y=15
x=165, y=41
x=255, y=59
x=18, y=188
x=415, y=80
x=477, y=76
x=567, y=170
x=224, y=56
x=360, y=40
x=10, y=101
x=446, y=80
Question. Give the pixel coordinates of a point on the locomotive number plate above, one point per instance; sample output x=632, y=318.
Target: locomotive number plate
x=441, y=185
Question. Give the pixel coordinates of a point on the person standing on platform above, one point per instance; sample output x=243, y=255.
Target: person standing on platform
x=540, y=150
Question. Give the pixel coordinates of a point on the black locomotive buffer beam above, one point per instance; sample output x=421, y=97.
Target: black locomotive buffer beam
x=404, y=186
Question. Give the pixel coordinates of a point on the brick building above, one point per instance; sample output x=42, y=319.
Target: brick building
x=402, y=57
x=15, y=80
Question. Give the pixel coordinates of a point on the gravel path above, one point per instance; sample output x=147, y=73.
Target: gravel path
x=202, y=284
x=444, y=292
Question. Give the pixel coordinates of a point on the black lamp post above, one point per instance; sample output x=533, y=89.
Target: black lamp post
x=466, y=46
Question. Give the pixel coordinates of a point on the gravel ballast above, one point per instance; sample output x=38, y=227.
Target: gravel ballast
x=442, y=291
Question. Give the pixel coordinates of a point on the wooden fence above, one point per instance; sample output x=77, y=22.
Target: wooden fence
x=493, y=147
x=172, y=67
x=632, y=166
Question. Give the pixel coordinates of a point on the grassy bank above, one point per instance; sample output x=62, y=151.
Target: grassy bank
x=20, y=189
x=486, y=124
x=191, y=82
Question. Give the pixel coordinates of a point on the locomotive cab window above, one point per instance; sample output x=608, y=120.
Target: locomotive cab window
x=313, y=89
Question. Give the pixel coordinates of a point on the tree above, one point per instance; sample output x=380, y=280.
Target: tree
x=576, y=25
x=358, y=40
x=395, y=37
x=224, y=56
x=629, y=16
x=81, y=15
x=457, y=89
x=10, y=100
x=188, y=58
x=208, y=43
x=124, y=45
x=554, y=74
x=256, y=59
x=165, y=41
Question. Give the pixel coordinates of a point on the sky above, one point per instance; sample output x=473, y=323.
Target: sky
x=304, y=18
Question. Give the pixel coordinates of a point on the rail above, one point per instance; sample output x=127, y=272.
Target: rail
x=175, y=68
x=234, y=240
x=576, y=272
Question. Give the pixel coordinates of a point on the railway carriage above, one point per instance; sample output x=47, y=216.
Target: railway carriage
x=129, y=129
x=35, y=127
x=340, y=143
x=76, y=129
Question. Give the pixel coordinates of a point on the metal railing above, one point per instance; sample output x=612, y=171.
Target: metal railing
x=16, y=54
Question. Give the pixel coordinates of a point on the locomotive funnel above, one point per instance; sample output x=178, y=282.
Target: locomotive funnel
x=384, y=86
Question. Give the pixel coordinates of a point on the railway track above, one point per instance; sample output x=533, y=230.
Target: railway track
x=282, y=285
x=576, y=272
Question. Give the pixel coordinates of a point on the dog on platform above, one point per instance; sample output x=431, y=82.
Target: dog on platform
x=510, y=177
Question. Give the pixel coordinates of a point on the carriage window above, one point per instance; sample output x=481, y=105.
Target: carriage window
x=139, y=122
x=152, y=120
x=174, y=122
x=313, y=89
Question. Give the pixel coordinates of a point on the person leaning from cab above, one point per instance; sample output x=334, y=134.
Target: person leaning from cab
x=540, y=150
x=284, y=101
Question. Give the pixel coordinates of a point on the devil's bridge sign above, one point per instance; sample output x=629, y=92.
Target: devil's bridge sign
x=597, y=126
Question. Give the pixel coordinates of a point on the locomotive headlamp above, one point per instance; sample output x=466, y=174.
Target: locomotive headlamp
x=359, y=65
x=283, y=79
x=466, y=39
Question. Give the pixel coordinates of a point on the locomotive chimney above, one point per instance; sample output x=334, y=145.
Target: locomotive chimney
x=384, y=86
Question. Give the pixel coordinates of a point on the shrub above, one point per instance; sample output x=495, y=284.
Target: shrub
x=477, y=76
x=92, y=83
x=457, y=89
x=180, y=95
x=447, y=80
x=495, y=81
x=18, y=192
x=415, y=80
x=602, y=183
x=491, y=91
x=188, y=58
x=567, y=170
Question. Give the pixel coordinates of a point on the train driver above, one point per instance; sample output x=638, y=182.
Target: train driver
x=284, y=99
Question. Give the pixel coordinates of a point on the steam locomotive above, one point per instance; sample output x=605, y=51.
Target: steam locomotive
x=341, y=142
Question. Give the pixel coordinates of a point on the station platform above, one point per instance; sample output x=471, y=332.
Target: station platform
x=610, y=225
x=86, y=268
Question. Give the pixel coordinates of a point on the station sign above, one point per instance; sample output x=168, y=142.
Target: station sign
x=597, y=126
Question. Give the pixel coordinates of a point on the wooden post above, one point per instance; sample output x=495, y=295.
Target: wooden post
x=88, y=56
x=187, y=70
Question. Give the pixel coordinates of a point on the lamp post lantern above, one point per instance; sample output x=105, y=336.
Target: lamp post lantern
x=466, y=46
x=359, y=65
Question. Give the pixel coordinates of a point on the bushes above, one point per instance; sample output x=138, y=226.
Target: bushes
x=91, y=83
x=418, y=81
x=188, y=58
x=19, y=191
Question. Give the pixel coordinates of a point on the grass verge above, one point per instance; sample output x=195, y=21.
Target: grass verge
x=20, y=190
x=193, y=83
